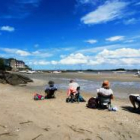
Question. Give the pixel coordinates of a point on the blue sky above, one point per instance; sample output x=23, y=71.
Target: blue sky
x=71, y=34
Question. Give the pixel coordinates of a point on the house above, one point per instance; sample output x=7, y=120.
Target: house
x=14, y=64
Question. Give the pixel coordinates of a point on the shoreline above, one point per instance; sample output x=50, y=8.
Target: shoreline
x=122, y=84
x=22, y=118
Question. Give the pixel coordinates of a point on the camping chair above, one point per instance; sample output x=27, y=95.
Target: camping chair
x=50, y=93
x=104, y=101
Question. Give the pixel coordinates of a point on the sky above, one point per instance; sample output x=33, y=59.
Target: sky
x=71, y=34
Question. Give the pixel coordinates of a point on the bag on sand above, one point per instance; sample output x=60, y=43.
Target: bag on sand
x=38, y=97
x=92, y=103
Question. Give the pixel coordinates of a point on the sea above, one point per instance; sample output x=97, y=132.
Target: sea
x=121, y=89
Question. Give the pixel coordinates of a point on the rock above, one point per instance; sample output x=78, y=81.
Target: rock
x=13, y=79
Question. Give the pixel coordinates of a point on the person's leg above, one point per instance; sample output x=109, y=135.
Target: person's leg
x=133, y=100
x=77, y=97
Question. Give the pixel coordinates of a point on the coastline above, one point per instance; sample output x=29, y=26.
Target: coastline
x=22, y=118
x=122, y=84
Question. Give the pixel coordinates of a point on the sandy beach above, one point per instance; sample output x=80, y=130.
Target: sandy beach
x=22, y=118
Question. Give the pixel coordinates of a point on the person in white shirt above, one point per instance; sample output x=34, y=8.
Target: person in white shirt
x=105, y=90
x=73, y=84
x=73, y=88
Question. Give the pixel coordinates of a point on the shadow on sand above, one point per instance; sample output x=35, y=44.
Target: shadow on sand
x=131, y=109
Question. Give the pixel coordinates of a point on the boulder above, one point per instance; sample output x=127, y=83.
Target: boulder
x=13, y=79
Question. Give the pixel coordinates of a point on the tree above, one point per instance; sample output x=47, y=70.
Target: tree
x=2, y=66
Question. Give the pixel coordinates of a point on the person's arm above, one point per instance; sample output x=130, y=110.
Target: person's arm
x=46, y=90
x=112, y=96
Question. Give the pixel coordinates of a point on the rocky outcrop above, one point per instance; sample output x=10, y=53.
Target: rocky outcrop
x=13, y=79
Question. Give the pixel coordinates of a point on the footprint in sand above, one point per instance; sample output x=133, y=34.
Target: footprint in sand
x=78, y=130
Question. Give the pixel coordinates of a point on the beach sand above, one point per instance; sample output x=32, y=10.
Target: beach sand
x=22, y=118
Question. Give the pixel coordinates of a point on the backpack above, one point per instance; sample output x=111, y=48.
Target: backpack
x=92, y=103
x=38, y=97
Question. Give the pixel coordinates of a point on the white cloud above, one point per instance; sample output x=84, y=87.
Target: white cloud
x=54, y=62
x=73, y=59
x=129, y=41
x=115, y=38
x=130, y=21
x=130, y=61
x=136, y=37
x=120, y=53
x=41, y=54
x=100, y=48
x=40, y=62
x=91, y=41
x=137, y=3
x=62, y=56
x=85, y=1
x=7, y=28
x=22, y=53
x=108, y=12
x=16, y=51
x=118, y=57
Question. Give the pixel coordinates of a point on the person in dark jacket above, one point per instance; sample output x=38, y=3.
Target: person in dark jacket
x=50, y=90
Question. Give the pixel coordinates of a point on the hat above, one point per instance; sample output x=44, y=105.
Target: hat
x=106, y=84
x=51, y=82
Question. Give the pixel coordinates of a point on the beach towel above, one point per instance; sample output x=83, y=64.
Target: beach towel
x=38, y=97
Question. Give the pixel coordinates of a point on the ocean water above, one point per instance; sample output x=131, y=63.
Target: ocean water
x=120, y=89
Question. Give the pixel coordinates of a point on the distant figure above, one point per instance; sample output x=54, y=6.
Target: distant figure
x=50, y=90
x=135, y=100
x=105, y=93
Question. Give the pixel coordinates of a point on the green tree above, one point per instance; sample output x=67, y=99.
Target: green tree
x=2, y=66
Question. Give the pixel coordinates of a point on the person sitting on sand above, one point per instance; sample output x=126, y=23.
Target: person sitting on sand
x=73, y=92
x=105, y=89
x=73, y=88
x=135, y=99
x=50, y=90
x=104, y=92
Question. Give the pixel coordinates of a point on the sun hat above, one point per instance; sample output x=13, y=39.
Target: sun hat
x=106, y=84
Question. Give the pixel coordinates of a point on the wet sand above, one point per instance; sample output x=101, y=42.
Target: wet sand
x=22, y=118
